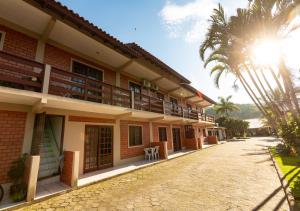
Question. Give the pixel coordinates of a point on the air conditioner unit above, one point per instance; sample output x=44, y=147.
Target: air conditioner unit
x=146, y=83
x=154, y=87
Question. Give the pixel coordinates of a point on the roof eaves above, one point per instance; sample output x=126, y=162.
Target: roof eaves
x=148, y=56
x=67, y=14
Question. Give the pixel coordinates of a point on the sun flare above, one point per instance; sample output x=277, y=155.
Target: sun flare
x=266, y=52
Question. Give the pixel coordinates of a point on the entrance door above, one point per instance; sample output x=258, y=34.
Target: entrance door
x=176, y=139
x=98, y=148
x=47, y=142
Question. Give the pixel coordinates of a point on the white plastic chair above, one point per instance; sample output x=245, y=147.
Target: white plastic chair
x=148, y=153
x=156, y=152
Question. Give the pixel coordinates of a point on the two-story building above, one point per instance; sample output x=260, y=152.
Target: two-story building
x=66, y=85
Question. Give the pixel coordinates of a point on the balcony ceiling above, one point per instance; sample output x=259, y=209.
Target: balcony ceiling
x=34, y=20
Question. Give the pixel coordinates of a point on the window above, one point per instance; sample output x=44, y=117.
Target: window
x=160, y=96
x=162, y=133
x=88, y=71
x=135, y=136
x=189, y=131
x=135, y=87
x=2, y=35
x=91, y=73
x=204, y=132
x=173, y=101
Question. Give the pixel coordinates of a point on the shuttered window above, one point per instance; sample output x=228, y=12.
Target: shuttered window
x=135, y=135
x=162, y=133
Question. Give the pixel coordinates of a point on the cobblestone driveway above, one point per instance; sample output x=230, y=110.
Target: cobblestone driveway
x=232, y=176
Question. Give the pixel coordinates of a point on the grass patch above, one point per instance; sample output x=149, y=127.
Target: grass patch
x=290, y=168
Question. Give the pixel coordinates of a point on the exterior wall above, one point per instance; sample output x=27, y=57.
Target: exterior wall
x=12, y=129
x=74, y=136
x=18, y=43
x=63, y=60
x=124, y=83
x=169, y=135
x=129, y=152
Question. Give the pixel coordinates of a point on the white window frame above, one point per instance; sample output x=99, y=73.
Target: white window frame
x=136, y=125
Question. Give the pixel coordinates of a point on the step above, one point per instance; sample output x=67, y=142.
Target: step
x=46, y=160
x=50, y=180
x=46, y=173
x=50, y=166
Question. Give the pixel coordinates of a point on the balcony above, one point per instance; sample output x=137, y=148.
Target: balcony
x=24, y=74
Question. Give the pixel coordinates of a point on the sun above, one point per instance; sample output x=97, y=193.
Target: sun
x=266, y=52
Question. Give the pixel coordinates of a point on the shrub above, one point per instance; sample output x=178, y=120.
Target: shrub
x=18, y=189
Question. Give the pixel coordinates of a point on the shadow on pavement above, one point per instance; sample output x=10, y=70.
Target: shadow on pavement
x=279, y=204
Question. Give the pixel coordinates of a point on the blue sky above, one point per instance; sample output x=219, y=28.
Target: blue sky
x=172, y=30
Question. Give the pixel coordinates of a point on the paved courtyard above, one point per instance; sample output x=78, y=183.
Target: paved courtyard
x=231, y=176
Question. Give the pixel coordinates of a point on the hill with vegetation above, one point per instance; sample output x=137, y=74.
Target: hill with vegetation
x=247, y=111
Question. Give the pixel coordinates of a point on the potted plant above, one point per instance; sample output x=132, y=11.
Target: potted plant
x=18, y=189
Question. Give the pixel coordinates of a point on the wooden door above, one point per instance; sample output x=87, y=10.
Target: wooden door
x=38, y=133
x=176, y=139
x=105, y=158
x=98, y=149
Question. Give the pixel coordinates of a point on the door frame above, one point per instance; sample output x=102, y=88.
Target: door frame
x=180, y=144
x=62, y=131
x=84, y=148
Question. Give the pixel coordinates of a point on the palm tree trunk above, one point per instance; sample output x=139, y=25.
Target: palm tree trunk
x=252, y=95
x=256, y=101
x=288, y=84
x=285, y=94
x=260, y=92
x=267, y=94
x=281, y=108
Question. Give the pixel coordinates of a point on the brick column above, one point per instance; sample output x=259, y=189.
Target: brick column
x=212, y=139
x=70, y=172
x=31, y=175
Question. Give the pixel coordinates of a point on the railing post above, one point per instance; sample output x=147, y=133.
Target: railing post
x=132, y=99
x=111, y=95
x=164, y=108
x=46, y=82
x=149, y=103
x=85, y=89
x=182, y=112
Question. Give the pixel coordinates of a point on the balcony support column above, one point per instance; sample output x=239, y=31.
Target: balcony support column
x=151, y=132
x=46, y=83
x=118, y=79
x=132, y=99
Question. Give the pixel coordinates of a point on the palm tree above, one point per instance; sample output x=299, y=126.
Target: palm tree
x=230, y=41
x=226, y=51
x=225, y=107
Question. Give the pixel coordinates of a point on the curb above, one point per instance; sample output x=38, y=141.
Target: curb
x=288, y=193
x=25, y=204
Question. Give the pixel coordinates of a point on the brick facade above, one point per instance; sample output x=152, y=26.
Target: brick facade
x=12, y=128
x=18, y=43
x=129, y=152
x=66, y=176
x=62, y=59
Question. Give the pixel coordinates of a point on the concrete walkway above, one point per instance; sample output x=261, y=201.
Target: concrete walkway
x=232, y=176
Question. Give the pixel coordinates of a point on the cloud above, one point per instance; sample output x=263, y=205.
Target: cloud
x=189, y=21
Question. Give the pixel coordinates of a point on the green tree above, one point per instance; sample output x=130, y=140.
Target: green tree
x=225, y=106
